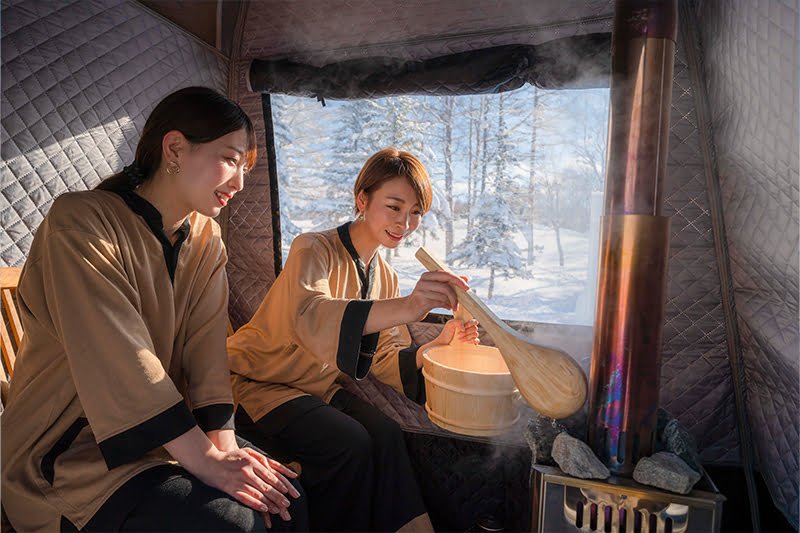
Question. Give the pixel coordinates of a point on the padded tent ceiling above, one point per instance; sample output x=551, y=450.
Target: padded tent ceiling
x=198, y=17
x=302, y=31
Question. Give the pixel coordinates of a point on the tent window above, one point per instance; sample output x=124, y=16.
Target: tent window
x=518, y=180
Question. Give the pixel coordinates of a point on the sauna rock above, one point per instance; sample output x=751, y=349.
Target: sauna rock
x=666, y=471
x=677, y=439
x=541, y=431
x=575, y=458
x=540, y=434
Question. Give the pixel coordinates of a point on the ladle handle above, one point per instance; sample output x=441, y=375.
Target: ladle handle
x=474, y=306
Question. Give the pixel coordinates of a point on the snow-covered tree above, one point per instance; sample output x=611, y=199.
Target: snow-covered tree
x=404, y=125
x=506, y=159
x=490, y=243
x=440, y=119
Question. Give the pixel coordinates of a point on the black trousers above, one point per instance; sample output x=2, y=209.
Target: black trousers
x=355, y=466
x=168, y=498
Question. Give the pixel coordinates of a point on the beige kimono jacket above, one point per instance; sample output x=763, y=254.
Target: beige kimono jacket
x=117, y=359
x=308, y=330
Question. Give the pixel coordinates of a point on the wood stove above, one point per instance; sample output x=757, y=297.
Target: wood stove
x=563, y=504
x=632, y=274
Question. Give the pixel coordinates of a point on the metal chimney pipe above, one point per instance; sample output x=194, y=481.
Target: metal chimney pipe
x=629, y=313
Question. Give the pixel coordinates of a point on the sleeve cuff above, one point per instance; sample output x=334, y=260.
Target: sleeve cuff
x=133, y=443
x=411, y=376
x=215, y=416
x=355, y=352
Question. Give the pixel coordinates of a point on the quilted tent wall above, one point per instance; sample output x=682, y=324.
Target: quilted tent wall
x=750, y=52
x=79, y=78
x=695, y=373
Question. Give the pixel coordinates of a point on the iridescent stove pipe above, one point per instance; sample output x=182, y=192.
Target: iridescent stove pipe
x=626, y=356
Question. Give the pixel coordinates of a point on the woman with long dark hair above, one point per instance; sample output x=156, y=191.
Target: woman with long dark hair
x=120, y=415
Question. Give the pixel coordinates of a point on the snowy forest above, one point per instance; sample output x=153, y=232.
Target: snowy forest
x=517, y=178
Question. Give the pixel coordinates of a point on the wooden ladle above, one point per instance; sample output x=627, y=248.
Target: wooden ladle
x=548, y=378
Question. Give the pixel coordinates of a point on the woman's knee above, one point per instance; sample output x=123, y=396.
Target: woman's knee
x=355, y=442
x=386, y=433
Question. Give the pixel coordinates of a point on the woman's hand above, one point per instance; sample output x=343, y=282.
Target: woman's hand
x=244, y=474
x=278, y=470
x=433, y=289
x=254, y=480
x=463, y=331
x=466, y=332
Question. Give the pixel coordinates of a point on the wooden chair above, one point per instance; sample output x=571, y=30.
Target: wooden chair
x=9, y=340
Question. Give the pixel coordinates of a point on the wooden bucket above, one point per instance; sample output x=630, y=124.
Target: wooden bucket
x=469, y=389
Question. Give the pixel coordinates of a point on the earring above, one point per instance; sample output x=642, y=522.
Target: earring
x=361, y=216
x=173, y=167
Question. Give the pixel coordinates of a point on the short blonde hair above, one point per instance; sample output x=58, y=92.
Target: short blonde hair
x=391, y=163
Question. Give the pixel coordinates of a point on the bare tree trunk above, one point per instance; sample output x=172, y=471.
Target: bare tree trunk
x=557, y=227
x=532, y=178
x=449, y=103
x=471, y=166
x=558, y=243
x=485, y=139
x=498, y=162
x=491, y=283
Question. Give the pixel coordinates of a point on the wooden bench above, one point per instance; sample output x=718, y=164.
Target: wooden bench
x=9, y=340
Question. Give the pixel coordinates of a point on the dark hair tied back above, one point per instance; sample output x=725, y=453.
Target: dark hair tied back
x=201, y=114
x=136, y=176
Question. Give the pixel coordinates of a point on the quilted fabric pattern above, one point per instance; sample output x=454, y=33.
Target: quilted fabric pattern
x=250, y=233
x=695, y=373
x=79, y=78
x=417, y=29
x=751, y=63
